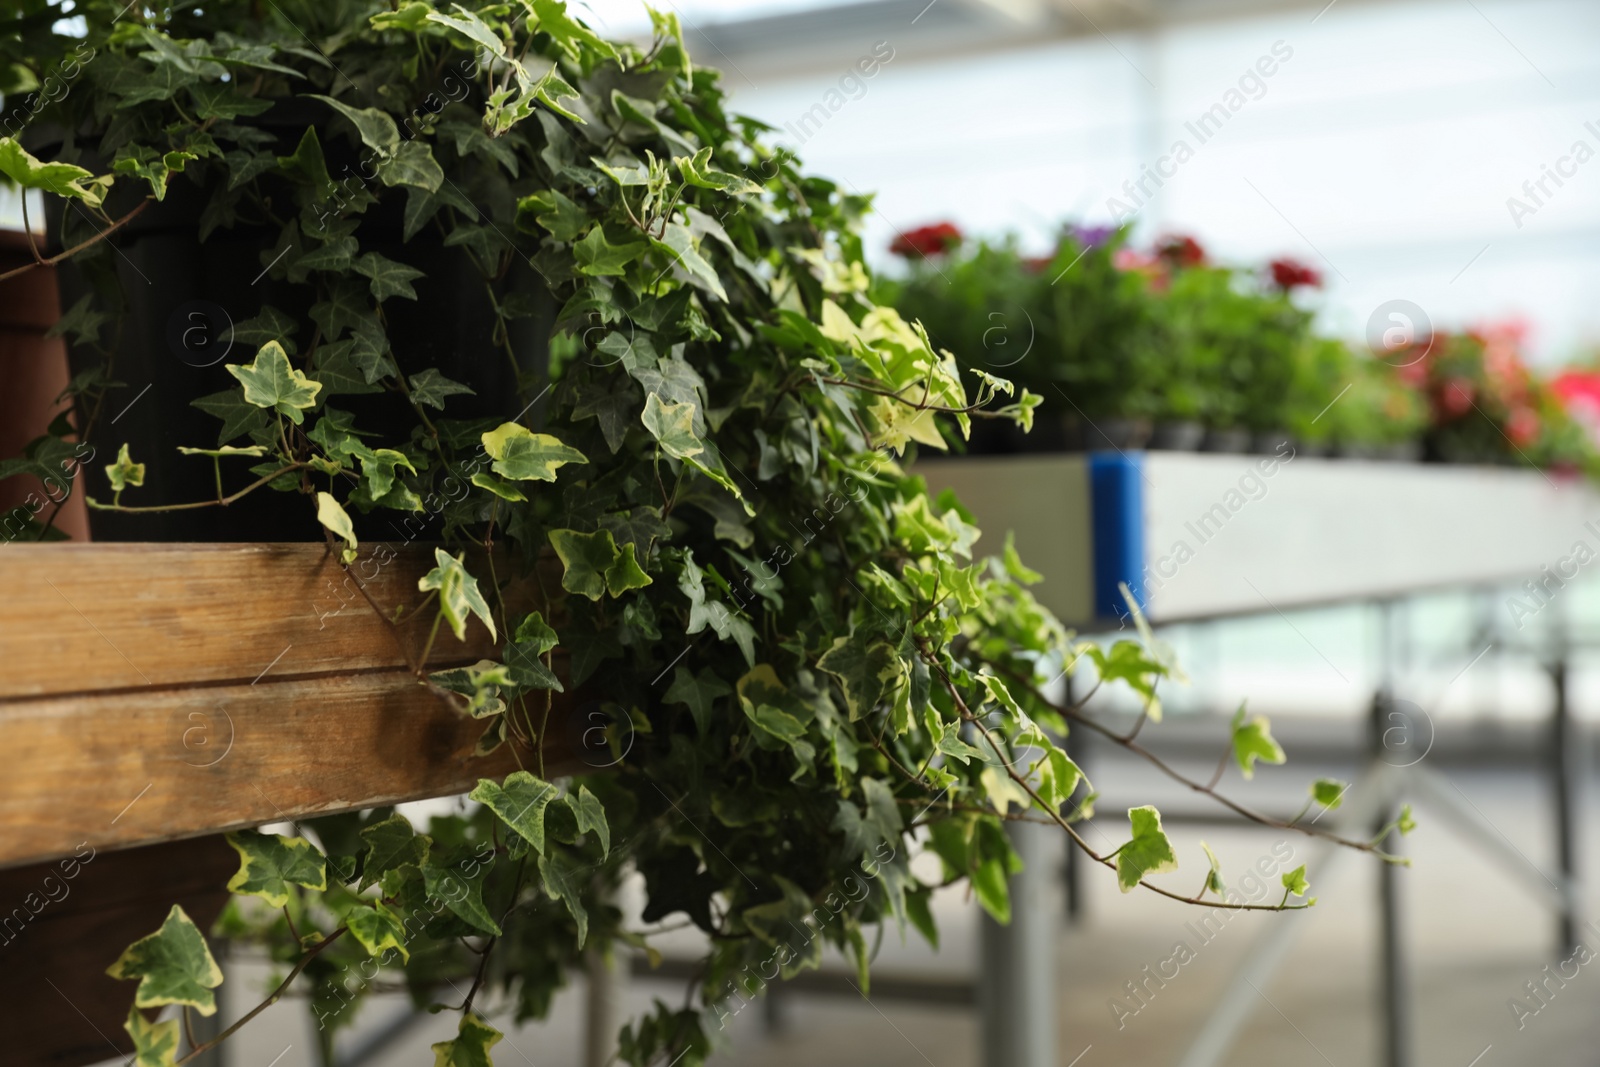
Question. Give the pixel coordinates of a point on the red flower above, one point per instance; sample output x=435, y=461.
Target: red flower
x=1289, y=274
x=1455, y=397
x=1180, y=251
x=1523, y=426
x=925, y=241
x=1035, y=264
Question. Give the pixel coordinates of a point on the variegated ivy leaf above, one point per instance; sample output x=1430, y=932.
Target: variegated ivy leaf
x=673, y=426
x=124, y=472
x=1253, y=740
x=520, y=801
x=595, y=566
x=470, y=1047
x=696, y=170
x=270, y=864
x=332, y=515
x=1149, y=852
x=570, y=35
x=458, y=593
x=480, y=683
x=391, y=843
x=154, y=1044
x=461, y=889
x=521, y=454
x=173, y=966
x=270, y=382
x=563, y=881
x=62, y=179
x=864, y=668
x=591, y=817
x=377, y=928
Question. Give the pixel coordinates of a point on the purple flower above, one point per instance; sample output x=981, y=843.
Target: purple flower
x=1092, y=236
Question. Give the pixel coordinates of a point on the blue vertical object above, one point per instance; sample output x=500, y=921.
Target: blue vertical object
x=1116, y=502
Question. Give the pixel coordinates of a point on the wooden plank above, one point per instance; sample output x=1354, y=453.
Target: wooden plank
x=155, y=692
x=65, y=922
x=83, y=617
x=135, y=767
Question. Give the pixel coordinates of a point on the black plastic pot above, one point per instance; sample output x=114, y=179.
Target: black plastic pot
x=1177, y=436
x=1231, y=440
x=175, y=285
x=1267, y=443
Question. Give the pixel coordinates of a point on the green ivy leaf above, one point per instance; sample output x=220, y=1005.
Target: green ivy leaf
x=388, y=277
x=270, y=863
x=597, y=256
x=520, y=801
x=521, y=454
x=430, y=387
x=1328, y=792
x=1252, y=741
x=472, y=27
x=124, y=472
x=555, y=212
x=1295, y=881
x=1405, y=823
x=270, y=382
x=1214, y=882
x=377, y=928
x=376, y=128
x=571, y=36
x=461, y=893
x=1149, y=852
x=458, y=593
x=698, y=692
x=591, y=817
x=173, y=966
x=391, y=843
x=239, y=416
x=154, y=1044
x=413, y=164
x=533, y=631
x=62, y=179
x=595, y=566
x=474, y=1038
x=561, y=878
x=864, y=668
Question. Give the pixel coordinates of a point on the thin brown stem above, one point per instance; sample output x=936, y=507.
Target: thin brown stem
x=80, y=246
x=1074, y=713
x=1055, y=816
x=272, y=998
x=224, y=502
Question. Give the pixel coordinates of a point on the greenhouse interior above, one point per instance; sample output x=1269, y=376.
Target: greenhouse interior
x=778, y=532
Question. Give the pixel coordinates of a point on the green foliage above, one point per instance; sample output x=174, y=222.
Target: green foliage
x=1148, y=852
x=806, y=666
x=1252, y=741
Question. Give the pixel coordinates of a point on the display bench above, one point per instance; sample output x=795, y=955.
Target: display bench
x=1202, y=535
x=154, y=695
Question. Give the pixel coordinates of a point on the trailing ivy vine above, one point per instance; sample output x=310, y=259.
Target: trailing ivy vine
x=704, y=472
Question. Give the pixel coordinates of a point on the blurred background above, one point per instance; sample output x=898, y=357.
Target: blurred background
x=1402, y=150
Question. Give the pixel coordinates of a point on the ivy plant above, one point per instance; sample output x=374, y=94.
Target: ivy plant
x=806, y=668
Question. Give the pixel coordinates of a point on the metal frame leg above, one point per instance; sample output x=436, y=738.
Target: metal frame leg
x=1566, y=775
x=1394, y=985
x=1018, y=991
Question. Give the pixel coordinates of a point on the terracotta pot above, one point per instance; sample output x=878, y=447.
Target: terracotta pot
x=33, y=372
